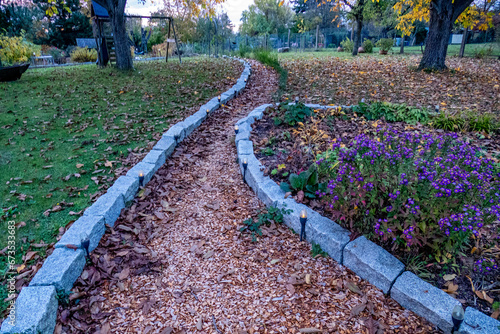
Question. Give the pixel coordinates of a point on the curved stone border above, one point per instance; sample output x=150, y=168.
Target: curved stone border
x=36, y=305
x=368, y=260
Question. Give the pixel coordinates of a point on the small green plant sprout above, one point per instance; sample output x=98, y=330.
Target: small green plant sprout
x=316, y=251
x=265, y=217
x=268, y=151
x=306, y=181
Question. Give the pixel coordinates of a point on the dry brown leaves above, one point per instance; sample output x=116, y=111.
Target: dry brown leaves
x=474, y=85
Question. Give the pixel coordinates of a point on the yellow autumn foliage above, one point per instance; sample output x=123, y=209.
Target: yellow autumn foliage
x=471, y=17
x=15, y=50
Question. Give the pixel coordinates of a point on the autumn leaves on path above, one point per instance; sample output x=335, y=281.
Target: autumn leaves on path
x=176, y=262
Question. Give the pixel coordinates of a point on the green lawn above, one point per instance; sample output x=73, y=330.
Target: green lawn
x=64, y=133
x=470, y=51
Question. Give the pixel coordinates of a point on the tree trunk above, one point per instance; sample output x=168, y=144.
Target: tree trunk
x=116, y=10
x=402, y=46
x=357, y=37
x=464, y=41
x=442, y=15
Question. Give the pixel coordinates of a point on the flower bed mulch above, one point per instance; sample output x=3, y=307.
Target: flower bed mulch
x=285, y=149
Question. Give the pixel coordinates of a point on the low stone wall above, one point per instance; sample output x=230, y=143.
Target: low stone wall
x=36, y=306
x=368, y=260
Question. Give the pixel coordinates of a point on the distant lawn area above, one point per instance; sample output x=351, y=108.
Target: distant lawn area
x=469, y=84
x=64, y=132
x=471, y=50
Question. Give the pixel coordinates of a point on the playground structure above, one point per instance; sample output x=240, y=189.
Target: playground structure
x=104, y=38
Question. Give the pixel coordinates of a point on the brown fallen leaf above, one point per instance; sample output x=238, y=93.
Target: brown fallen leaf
x=124, y=273
x=356, y=310
x=353, y=287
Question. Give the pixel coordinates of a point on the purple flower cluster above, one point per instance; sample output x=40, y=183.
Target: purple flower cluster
x=485, y=265
x=421, y=189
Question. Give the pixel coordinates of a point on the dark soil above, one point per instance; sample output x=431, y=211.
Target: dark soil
x=274, y=147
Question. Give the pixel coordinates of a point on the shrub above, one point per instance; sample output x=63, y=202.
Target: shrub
x=368, y=46
x=15, y=50
x=465, y=121
x=83, y=55
x=291, y=114
x=385, y=44
x=483, y=52
x=418, y=192
x=244, y=50
x=57, y=55
x=347, y=44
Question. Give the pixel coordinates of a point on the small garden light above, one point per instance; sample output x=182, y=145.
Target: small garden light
x=218, y=98
x=296, y=99
x=236, y=129
x=457, y=315
x=245, y=165
x=245, y=80
x=208, y=111
x=303, y=220
x=85, y=242
x=141, y=178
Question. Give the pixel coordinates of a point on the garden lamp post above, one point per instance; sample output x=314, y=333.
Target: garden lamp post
x=236, y=129
x=245, y=165
x=218, y=98
x=208, y=111
x=303, y=220
x=457, y=315
x=296, y=99
x=141, y=178
x=85, y=242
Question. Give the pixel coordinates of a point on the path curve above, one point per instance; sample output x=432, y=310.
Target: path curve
x=176, y=262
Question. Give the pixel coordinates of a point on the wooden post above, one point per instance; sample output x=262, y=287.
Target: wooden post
x=317, y=36
x=168, y=38
x=464, y=41
x=176, y=41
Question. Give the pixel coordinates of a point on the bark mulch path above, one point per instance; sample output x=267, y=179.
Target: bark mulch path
x=175, y=261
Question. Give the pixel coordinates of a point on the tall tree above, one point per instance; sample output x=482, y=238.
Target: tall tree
x=441, y=15
x=66, y=23
x=266, y=17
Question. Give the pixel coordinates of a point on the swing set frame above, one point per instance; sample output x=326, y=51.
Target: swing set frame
x=100, y=16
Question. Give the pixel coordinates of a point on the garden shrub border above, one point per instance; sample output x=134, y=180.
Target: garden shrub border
x=368, y=260
x=35, y=309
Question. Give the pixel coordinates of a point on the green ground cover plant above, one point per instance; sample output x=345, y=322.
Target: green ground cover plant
x=65, y=133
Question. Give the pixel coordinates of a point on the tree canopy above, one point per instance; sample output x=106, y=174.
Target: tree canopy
x=266, y=17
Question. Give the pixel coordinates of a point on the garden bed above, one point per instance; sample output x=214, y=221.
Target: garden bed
x=356, y=163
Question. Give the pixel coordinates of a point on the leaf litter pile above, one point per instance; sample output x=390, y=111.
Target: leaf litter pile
x=470, y=84
x=66, y=134
x=176, y=262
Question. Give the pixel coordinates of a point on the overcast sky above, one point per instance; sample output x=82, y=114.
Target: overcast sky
x=233, y=8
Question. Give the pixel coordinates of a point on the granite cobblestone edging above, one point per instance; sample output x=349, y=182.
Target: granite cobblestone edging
x=36, y=306
x=368, y=260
